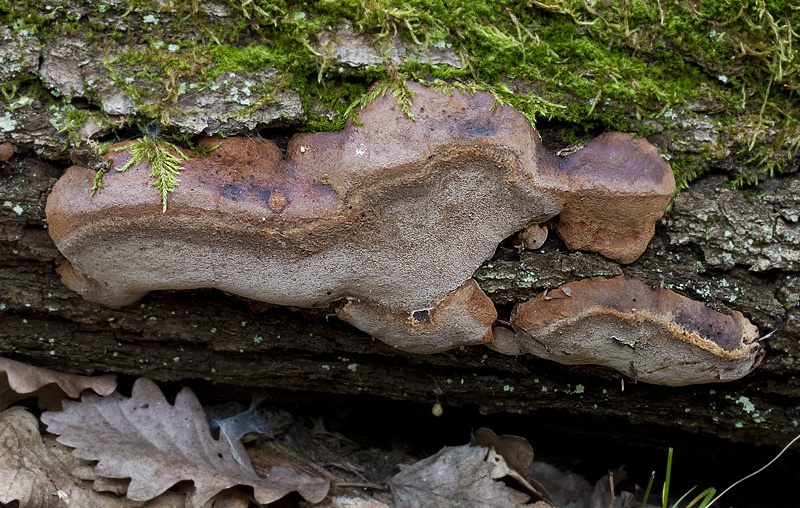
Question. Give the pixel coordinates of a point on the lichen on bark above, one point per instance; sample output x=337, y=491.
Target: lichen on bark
x=711, y=84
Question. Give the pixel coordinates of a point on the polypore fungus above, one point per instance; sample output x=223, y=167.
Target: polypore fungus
x=650, y=334
x=390, y=215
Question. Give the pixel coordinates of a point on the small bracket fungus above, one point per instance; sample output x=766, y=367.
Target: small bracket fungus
x=6, y=151
x=534, y=236
x=391, y=216
x=650, y=334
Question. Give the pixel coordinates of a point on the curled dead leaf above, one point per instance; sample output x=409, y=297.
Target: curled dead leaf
x=511, y=456
x=516, y=450
x=22, y=381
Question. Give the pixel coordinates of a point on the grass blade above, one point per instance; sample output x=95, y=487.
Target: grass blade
x=753, y=474
x=706, y=496
x=683, y=496
x=665, y=488
x=647, y=491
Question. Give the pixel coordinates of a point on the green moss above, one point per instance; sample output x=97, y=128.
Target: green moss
x=613, y=65
x=165, y=165
x=253, y=57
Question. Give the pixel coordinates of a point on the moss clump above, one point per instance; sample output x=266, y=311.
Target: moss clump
x=591, y=66
x=159, y=154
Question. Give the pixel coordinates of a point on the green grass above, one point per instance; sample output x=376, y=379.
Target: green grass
x=703, y=498
x=707, y=497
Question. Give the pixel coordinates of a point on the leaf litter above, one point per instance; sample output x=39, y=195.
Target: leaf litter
x=157, y=445
x=455, y=477
x=144, y=447
x=22, y=381
x=39, y=473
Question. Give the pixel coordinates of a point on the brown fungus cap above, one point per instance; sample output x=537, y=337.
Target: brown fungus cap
x=613, y=191
x=463, y=318
x=390, y=215
x=6, y=151
x=650, y=334
x=534, y=236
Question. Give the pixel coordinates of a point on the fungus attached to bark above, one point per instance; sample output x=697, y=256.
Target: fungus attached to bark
x=6, y=151
x=534, y=236
x=614, y=190
x=464, y=316
x=390, y=215
x=650, y=334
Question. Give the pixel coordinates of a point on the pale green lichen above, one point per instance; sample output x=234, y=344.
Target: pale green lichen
x=747, y=406
x=7, y=123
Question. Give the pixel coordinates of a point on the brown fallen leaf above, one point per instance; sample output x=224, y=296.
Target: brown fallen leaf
x=37, y=473
x=156, y=445
x=521, y=486
x=516, y=450
x=22, y=381
x=454, y=477
x=511, y=456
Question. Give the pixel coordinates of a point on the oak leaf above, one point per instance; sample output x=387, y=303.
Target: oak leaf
x=37, y=473
x=22, y=381
x=157, y=445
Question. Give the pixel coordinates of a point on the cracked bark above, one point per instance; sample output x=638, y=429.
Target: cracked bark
x=293, y=355
x=732, y=249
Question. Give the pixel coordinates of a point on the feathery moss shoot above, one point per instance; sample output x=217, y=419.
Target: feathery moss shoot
x=165, y=166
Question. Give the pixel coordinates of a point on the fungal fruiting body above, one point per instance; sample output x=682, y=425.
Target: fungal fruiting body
x=650, y=334
x=391, y=216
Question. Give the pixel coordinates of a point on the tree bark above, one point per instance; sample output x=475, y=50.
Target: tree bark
x=293, y=354
x=732, y=249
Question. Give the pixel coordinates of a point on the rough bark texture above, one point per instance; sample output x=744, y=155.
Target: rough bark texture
x=211, y=336
x=730, y=248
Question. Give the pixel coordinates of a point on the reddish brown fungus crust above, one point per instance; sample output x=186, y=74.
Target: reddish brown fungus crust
x=463, y=318
x=616, y=219
x=391, y=215
x=6, y=151
x=651, y=334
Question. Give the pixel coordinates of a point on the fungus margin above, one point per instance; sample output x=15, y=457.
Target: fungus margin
x=650, y=334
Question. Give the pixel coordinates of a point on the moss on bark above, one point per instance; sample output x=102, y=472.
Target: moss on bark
x=713, y=81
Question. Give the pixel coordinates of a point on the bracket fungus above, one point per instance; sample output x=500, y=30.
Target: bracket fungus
x=650, y=334
x=390, y=215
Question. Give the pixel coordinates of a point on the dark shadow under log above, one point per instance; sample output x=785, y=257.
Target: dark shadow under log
x=228, y=347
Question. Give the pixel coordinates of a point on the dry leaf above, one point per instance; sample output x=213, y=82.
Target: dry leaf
x=454, y=477
x=229, y=498
x=156, y=445
x=516, y=450
x=573, y=491
x=22, y=381
x=36, y=473
x=511, y=455
x=533, y=490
